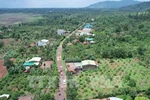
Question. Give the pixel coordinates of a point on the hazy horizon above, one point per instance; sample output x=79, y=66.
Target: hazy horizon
x=49, y=3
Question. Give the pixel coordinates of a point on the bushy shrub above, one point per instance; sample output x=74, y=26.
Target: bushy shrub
x=1, y=44
x=73, y=60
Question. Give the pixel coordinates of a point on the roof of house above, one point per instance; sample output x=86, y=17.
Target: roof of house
x=114, y=98
x=88, y=26
x=28, y=64
x=72, y=66
x=92, y=42
x=89, y=62
x=84, y=33
x=60, y=31
x=35, y=59
x=44, y=40
x=25, y=98
x=87, y=30
x=78, y=64
x=5, y=95
x=42, y=43
x=89, y=39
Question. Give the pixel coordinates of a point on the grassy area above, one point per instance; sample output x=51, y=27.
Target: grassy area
x=16, y=18
x=111, y=76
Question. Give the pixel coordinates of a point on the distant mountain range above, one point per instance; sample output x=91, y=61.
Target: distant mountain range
x=114, y=4
x=138, y=7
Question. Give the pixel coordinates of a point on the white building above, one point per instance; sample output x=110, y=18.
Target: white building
x=43, y=42
x=61, y=32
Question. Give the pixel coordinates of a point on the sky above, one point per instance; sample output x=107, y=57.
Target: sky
x=48, y=3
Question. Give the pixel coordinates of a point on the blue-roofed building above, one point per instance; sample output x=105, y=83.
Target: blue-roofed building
x=88, y=26
x=26, y=64
x=89, y=39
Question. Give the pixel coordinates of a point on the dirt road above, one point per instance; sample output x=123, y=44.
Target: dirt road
x=61, y=94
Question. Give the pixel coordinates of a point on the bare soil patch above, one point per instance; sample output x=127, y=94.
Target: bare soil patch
x=7, y=41
x=3, y=69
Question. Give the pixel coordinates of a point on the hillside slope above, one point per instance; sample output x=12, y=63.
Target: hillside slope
x=113, y=4
x=138, y=7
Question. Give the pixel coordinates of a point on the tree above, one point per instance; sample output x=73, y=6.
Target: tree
x=132, y=93
x=1, y=44
x=81, y=38
x=8, y=63
x=132, y=83
x=141, y=50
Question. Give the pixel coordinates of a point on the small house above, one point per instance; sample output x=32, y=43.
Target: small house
x=90, y=40
x=31, y=62
x=110, y=98
x=93, y=19
x=74, y=67
x=85, y=33
x=89, y=64
x=61, y=32
x=35, y=60
x=43, y=42
x=87, y=30
x=89, y=26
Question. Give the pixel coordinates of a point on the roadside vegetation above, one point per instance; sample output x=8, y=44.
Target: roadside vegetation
x=121, y=48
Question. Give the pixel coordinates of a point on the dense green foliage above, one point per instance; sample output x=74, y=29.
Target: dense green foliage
x=122, y=50
x=37, y=81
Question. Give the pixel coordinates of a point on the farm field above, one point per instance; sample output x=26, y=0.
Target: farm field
x=112, y=77
x=16, y=18
x=121, y=47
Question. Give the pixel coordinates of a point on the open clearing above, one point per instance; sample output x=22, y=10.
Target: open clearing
x=111, y=76
x=15, y=18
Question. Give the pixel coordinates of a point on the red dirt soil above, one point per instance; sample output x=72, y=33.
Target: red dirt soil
x=7, y=41
x=3, y=69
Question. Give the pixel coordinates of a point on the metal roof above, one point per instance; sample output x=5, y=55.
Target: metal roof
x=78, y=64
x=44, y=40
x=35, y=59
x=114, y=98
x=88, y=62
x=89, y=39
x=28, y=64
